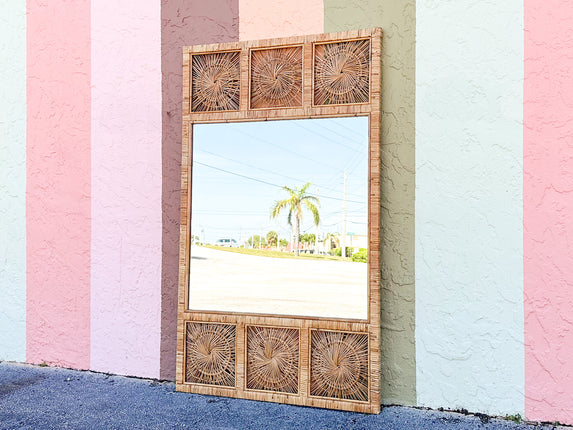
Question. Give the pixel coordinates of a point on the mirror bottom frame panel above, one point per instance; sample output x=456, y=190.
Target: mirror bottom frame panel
x=311, y=362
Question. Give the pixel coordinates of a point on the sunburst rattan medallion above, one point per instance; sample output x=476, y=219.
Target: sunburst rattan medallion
x=339, y=365
x=215, y=84
x=272, y=359
x=211, y=354
x=341, y=72
x=276, y=77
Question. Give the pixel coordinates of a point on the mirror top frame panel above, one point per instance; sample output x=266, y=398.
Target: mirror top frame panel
x=242, y=92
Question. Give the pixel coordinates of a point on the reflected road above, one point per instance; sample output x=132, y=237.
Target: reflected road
x=232, y=282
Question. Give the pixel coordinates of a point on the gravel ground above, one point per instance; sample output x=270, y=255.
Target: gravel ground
x=33, y=397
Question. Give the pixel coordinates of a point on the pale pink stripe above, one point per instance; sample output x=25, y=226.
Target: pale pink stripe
x=126, y=178
x=58, y=183
x=260, y=19
x=548, y=209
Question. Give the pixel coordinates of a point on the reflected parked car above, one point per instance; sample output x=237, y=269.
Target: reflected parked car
x=231, y=243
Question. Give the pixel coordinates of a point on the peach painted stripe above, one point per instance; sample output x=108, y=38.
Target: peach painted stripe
x=261, y=19
x=126, y=178
x=548, y=209
x=58, y=183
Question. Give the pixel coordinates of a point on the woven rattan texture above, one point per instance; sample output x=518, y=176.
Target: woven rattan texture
x=341, y=72
x=215, y=84
x=339, y=365
x=211, y=354
x=272, y=359
x=276, y=77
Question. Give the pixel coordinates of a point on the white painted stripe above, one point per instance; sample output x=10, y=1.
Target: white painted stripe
x=13, y=180
x=469, y=252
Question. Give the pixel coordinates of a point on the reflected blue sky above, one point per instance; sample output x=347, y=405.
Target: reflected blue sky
x=239, y=169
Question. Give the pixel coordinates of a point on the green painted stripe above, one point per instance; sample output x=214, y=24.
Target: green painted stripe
x=398, y=22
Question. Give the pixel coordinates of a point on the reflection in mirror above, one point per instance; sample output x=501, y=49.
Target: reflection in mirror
x=279, y=219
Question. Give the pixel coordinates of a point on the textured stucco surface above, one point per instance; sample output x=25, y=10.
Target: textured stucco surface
x=183, y=23
x=126, y=178
x=397, y=20
x=58, y=183
x=262, y=19
x=469, y=281
x=96, y=88
x=548, y=205
x=13, y=180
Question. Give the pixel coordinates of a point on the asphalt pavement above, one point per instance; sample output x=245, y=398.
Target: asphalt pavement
x=34, y=397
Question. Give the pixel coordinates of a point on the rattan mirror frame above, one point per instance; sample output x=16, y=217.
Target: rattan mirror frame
x=219, y=353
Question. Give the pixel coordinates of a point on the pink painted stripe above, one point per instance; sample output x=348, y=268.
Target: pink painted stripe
x=58, y=183
x=126, y=178
x=261, y=19
x=548, y=205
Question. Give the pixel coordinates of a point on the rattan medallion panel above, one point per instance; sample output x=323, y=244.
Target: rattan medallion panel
x=273, y=359
x=321, y=362
x=339, y=365
x=216, y=81
x=342, y=72
x=210, y=354
x=338, y=369
x=276, y=77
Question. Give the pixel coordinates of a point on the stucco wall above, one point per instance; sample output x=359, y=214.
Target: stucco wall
x=469, y=253
x=13, y=181
x=397, y=20
x=58, y=188
x=548, y=205
x=126, y=189
x=183, y=23
x=476, y=195
x=279, y=18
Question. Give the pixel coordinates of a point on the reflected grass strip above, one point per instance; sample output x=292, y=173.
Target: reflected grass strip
x=277, y=254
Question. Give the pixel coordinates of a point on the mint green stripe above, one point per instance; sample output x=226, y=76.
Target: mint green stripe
x=398, y=21
x=469, y=205
x=13, y=180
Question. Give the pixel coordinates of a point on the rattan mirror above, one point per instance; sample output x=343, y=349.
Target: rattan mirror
x=236, y=336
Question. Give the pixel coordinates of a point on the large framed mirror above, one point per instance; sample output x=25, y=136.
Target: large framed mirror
x=279, y=282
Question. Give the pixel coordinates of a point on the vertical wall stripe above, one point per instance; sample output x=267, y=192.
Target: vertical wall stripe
x=398, y=21
x=548, y=207
x=13, y=180
x=126, y=177
x=469, y=234
x=58, y=183
x=184, y=23
x=262, y=19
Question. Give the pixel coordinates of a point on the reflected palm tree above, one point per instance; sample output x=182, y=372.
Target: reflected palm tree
x=297, y=200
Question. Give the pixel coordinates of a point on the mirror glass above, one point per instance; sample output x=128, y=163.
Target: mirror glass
x=279, y=218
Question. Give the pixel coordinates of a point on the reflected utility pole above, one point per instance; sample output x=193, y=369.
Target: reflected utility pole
x=316, y=232
x=343, y=244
